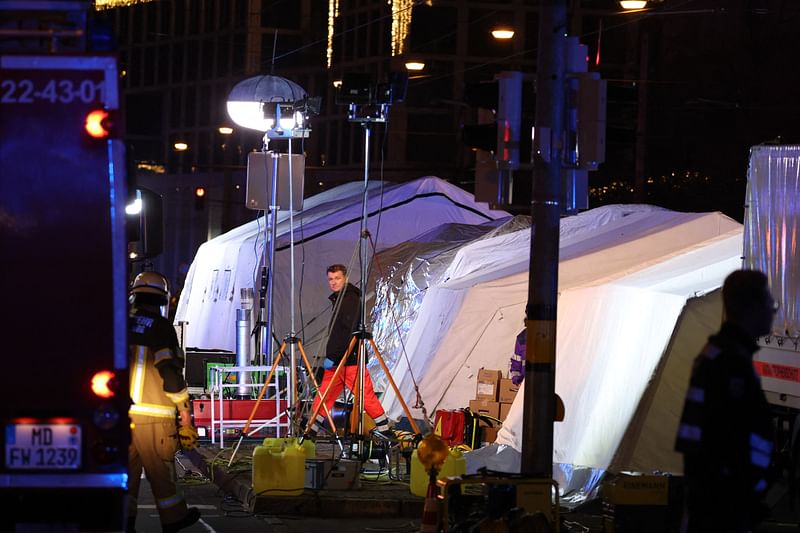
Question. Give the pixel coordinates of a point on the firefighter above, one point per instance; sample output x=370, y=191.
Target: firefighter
x=158, y=392
x=725, y=433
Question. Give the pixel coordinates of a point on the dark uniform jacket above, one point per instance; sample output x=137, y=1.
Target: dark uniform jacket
x=157, y=386
x=344, y=325
x=725, y=435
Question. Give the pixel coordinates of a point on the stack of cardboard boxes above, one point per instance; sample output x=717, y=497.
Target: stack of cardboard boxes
x=493, y=397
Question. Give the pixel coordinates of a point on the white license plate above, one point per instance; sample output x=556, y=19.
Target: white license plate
x=43, y=446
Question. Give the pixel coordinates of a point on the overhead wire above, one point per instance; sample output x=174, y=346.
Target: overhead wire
x=420, y=403
x=632, y=20
x=345, y=32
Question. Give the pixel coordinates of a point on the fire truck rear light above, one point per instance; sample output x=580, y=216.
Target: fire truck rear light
x=97, y=124
x=103, y=384
x=106, y=416
x=105, y=451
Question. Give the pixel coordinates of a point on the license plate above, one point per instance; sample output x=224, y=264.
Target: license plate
x=43, y=446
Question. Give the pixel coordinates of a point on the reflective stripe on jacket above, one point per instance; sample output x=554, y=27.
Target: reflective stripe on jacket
x=147, y=386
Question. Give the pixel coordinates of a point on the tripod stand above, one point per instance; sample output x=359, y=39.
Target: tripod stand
x=279, y=132
x=362, y=335
x=362, y=338
x=291, y=340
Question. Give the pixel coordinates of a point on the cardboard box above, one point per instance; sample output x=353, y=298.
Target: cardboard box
x=486, y=374
x=487, y=387
x=507, y=391
x=504, y=409
x=489, y=435
x=485, y=407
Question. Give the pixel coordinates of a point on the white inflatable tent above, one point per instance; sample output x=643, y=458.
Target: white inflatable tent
x=625, y=275
x=326, y=231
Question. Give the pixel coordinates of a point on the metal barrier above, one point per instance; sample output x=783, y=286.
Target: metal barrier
x=218, y=422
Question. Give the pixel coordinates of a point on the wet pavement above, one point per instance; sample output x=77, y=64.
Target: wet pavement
x=226, y=499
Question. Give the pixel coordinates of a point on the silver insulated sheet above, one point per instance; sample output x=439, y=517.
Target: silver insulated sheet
x=772, y=216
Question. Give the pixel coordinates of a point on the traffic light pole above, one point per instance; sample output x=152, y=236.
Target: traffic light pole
x=540, y=311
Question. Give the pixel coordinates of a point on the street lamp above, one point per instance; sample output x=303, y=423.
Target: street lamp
x=502, y=34
x=633, y=4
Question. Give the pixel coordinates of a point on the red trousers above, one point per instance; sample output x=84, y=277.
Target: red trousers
x=347, y=377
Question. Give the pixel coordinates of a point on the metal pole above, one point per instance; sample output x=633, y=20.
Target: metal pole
x=244, y=343
x=273, y=232
x=292, y=340
x=362, y=324
x=641, y=112
x=263, y=340
x=540, y=356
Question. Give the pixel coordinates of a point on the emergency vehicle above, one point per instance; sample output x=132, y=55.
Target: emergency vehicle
x=63, y=275
x=772, y=220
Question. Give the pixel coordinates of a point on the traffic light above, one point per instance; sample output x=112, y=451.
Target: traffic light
x=586, y=109
x=483, y=134
x=509, y=119
x=499, y=104
x=199, y=198
x=496, y=136
x=584, y=129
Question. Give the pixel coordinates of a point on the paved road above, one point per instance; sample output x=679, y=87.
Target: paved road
x=223, y=514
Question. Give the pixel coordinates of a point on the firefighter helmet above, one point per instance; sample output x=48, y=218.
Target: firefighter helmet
x=150, y=283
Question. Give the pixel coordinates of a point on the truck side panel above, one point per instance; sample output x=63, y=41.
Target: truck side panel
x=63, y=289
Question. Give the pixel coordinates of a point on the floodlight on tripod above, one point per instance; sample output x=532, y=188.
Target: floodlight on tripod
x=274, y=105
x=280, y=109
x=368, y=103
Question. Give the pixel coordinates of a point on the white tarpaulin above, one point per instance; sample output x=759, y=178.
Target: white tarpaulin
x=625, y=275
x=326, y=231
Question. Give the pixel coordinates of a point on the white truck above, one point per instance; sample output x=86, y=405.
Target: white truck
x=771, y=241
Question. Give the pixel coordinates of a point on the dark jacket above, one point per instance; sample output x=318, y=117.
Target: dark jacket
x=342, y=329
x=157, y=385
x=725, y=436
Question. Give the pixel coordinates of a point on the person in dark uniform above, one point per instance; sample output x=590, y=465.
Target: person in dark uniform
x=158, y=392
x=345, y=299
x=516, y=369
x=725, y=432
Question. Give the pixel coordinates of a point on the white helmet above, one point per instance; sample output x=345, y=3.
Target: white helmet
x=150, y=283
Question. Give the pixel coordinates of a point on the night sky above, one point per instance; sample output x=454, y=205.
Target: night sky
x=722, y=76
x=697, y=82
